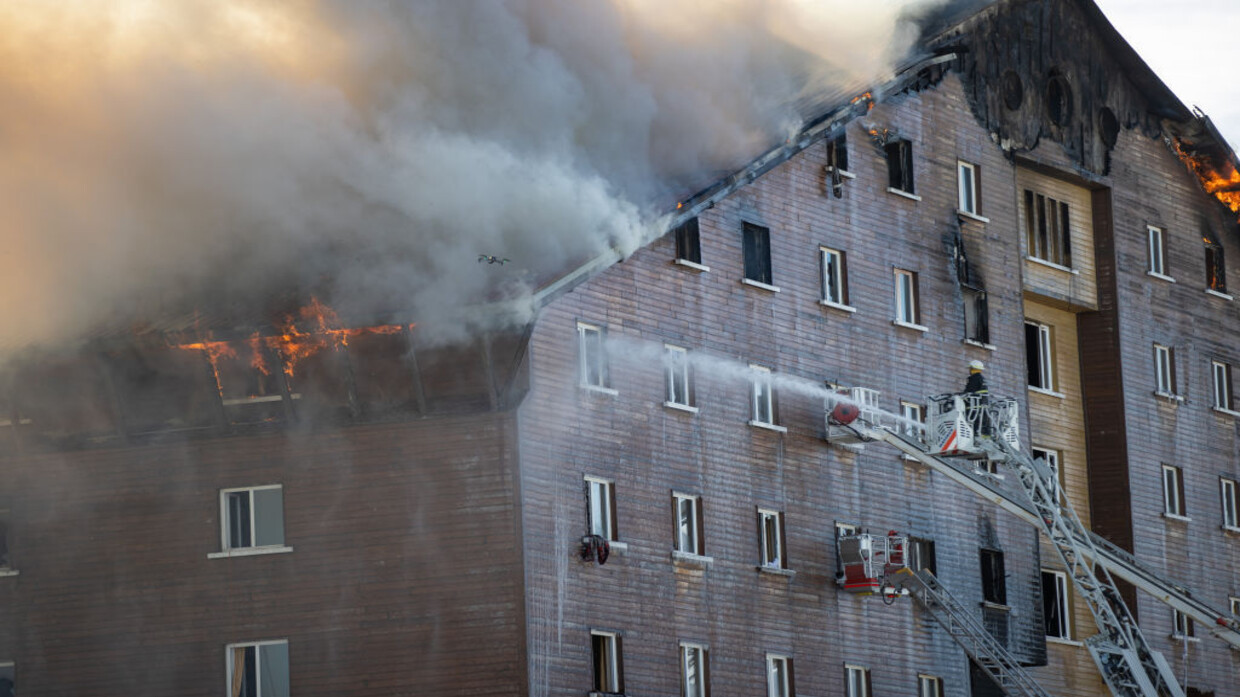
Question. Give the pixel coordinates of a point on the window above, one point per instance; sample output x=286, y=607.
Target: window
x=259, y=669
x=253, y=517
x=1052, y=461
x=994, y=586
x=834, y=277
x=677, y=377
x=1182, y=626
x=592, y=354
x=687, y=510
x=900, y=166
x=1039, y=356
x=921, y=554
x=8, y=679
x=837, y=154
x=1048, y=235
x=1216, y=274
x=688, y=243
x=906, y=298
x=929, y=686
x=771, y=539
x=1173, y=491
x=976, y=315
x=1164, y=370
x=601, y=507
x=1055, y=613
x=856, y=681
x=1158, y=258
x=762, y=400
x=1222, y=384
x=779, y=676
x=4, y=547
x=1233, y=605
x=608, y=663
x=967, y=181
x=1227, y=488
x=757, y=253
x=694, y=670
x=842, y=530
x=912, y=414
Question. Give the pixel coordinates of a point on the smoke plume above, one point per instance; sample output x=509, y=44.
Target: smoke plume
x=160, y=158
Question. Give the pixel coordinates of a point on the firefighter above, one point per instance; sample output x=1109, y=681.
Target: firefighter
x=977, y=407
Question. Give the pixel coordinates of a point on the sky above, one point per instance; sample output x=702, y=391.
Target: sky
x=1192, y=46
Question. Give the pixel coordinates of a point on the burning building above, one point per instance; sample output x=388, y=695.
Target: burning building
x=617, y=475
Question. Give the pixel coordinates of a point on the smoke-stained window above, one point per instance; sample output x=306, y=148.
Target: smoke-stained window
x=757, y=244
x=258, y=669
x=1216, y=272
x=968, y=188
x=994, y=580
x=592, y=356
x=976, y=315
x=688, y=242
x=1055, y=611
x=900, y=166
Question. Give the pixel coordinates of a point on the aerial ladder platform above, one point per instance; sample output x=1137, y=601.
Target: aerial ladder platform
x=962, y=429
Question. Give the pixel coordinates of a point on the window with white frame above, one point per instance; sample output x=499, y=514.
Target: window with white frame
x=906, y=297
x=912, y=414
x=1052, y=461
x=856, y=681
x=762, y=401
x=1173, y=490
x=842, y=530
x=694, y=670
x=1164, y=370
x=1221, y=373
x=1227, y=487
x=921, y=554
x=258, y=669
x=1055, y=612
x=757, y=248
x=688, y=242
x=967, y=188
x=688, y=512
x=771, y=538
x=779, y=676
x=253, y=517
x=1158, y=258
x=1233, y=605
x=1048, y=233
x=605, y=648
x=1182, y=626
x=900, y=165
x=1039, y=355
x=676, y=376
x=601, y=506
x=929, y=686
x=592, y=355
x=834, y=267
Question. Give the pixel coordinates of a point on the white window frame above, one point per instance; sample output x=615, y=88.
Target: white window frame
x=778, y=676
x=1233, y=605
x=226, y=521
x=701, y=651
x=929, y=685
x=1052, y=461
x=1182, y=626
x=613, y=680
x=600, y=495
x=1046, y=356
x=1221, y=374
x=592, y=368
x=1164, y=372
x=258, y=663
x=906, y=298
x=966, y=189
x=1173, y=493
x=1156, y=248
x=771, y=538
x=688, y=541
x=677, y=378
x=1231, y=512
x=911, y=411
x=856, y=681
x=761, y=398
x=1063, y=601
x=833, y=268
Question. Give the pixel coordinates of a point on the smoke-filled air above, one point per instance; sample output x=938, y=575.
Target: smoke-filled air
x=165, y=157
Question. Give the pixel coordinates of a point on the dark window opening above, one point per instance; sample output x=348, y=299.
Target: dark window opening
x=1055, y=604
x=1216, y=277
x=239, y=520
x=688, y=244
x=921, y=555
x=757, y=253
x=976, y=316
x=900, y=165
x=1059, y=100
x=1048, y=233
x=1013, y=90
x=4, y=545
x=1108, y=127
x=608, y=671
x=994, y=588
x=837, y=154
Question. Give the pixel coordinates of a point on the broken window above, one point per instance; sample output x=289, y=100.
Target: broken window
x=779, y=676
x=258, y=669
x=687, y=511
x=837, y=154
x=694, y=671
x=605, y=648
x=834, y=270
x=762, y=400
x=968, y=188
x=1048, y=233
x=1173, y=491
x=757, y=253
x=1164, y=370
x=994, y=583
x=1227, y=488
x=771, y=539
x=1055, y=604
x=601, y=507
x=688, y=243
x=253, y=517
x=1039, y=356
x=900, y=165
x=677, y=376
x=976, y=315
x=1157, y=251
x=907, y=311
x=1216, y=272
x=592, y=355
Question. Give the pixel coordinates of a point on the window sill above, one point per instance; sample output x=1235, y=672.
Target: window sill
x=9, y=572
x=1167, y=396
x=691, y=265
x=843, y=172
x=776, y=571
x=837, y=306
x=910, y=325
x=769, y=427
x=903, y=194
x=598, y=389
x=1159, y=276
x=760, y=284
x=1052, y=265
x=979, y=344
x=618, y=547
x=1048, y=393
x=1219, y=294
x=1230, y=529
x=1228, y=412
x=681, y=407
x=249, y=552
x=691, y=559
x=996, y=606
x=1181, y=637
x=972, y=216
x=1177, y=517
x=1063, y=641
x=604, y=694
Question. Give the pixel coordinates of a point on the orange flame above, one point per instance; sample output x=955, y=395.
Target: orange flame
x=1223, y=185
x=868, y=98
x=214, y=350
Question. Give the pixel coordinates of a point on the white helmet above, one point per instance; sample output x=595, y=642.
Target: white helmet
x=976, y=365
